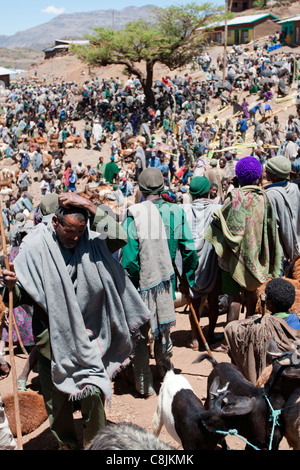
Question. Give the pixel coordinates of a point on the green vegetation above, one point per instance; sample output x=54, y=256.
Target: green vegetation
x=259, y=4
x=170, y=37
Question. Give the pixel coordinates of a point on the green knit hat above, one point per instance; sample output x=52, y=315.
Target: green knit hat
x=199, y=185
x=279, y=166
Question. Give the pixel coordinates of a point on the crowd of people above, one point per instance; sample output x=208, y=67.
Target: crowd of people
x=202, y=213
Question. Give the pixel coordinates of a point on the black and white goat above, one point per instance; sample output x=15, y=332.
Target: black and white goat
x=257, y=426
x=185, y=417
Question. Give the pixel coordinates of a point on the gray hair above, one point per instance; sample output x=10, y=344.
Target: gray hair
x=126, y=436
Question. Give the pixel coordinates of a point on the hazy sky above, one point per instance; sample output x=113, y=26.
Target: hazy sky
x=19, y=15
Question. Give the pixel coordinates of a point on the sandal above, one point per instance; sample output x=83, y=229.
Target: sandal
x=22, y=385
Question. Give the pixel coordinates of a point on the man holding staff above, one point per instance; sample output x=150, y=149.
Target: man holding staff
x=87, y=315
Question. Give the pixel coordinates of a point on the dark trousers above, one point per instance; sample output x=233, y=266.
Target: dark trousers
x=60, y=410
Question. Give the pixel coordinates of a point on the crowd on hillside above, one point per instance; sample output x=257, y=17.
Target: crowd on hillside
x=175, y=161
x=116, y=110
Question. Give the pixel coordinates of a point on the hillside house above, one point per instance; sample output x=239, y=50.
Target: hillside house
x=61, y=47
x=291, y=29
x=241, y=5
x=6, y=75
x=243, y=29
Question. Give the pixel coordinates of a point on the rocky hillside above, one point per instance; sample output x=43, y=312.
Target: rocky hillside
x=67, y=26
x=19, y=58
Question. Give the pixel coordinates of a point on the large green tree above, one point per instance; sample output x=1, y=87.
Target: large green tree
x=172, y=37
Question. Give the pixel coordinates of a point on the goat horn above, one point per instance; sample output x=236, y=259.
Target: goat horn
x=284, y=362
x=274, y=354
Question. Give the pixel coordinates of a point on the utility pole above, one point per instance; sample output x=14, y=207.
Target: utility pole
x=227, y=9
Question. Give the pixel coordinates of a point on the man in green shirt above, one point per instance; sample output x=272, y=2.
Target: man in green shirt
x=179, y=237
x=101, y=167
x=157, y=231
x=111, y=171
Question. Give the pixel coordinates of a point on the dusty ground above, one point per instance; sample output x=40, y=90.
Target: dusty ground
x=126, y=406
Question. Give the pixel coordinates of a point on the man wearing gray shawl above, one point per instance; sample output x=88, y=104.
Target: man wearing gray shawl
x=87, y=317
x=199, y=215
x=37, y=163
x=291, y=149
x=140, y=161
x=285, y=198
x=147, y=260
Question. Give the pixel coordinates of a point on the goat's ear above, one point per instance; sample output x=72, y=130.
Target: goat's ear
x=242, y=406
x=214, y=387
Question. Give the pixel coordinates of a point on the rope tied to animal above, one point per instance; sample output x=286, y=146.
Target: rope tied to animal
x=275, y=414
x=234, y=432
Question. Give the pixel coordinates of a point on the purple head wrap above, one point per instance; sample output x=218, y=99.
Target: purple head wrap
x=248, y=170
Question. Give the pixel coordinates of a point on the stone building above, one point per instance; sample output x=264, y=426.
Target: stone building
x=241, y=5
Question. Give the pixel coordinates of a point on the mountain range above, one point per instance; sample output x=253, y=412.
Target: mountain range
x=73, y=26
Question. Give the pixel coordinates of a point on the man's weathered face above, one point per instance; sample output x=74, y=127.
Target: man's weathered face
x=70, y=231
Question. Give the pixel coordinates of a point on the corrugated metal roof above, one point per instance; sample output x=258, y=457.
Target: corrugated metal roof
x=4, y=71
x=54, y=48
x=249, y=19
x=72, y=42
x=291, y=18
x=65, y=45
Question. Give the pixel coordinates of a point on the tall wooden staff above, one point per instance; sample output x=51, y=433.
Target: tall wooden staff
x=10, y=336
x=194, y=316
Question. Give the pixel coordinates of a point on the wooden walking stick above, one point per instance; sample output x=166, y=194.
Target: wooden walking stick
x=18, y=336
x=16, y=330
x=194, y=315
x=10, y=335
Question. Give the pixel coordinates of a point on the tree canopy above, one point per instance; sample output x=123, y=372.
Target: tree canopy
x=171, y=37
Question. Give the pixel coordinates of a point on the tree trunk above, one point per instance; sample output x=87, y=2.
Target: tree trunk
x=147, y=84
